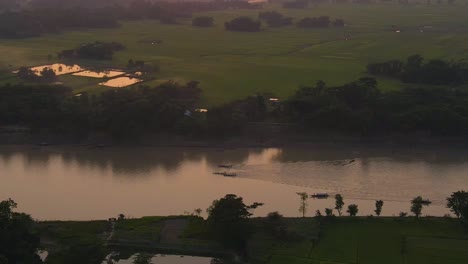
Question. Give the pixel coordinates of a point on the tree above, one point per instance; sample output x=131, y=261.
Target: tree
x=416, y=206
x=457, y=202
x=276, y=225
x=378, y=207
x=203, y=21
x=328, y=212
x=339, y=203
x=352, y=209
x=197, y=211
x=243, y=23
x=303, y=196
x=228, y=221
x=18, y=243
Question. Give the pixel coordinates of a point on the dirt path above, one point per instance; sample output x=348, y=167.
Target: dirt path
x=172, y=230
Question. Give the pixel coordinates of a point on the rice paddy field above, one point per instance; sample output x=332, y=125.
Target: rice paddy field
x=232, y=65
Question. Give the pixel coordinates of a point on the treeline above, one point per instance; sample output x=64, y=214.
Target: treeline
x=416, y=70
x=276, y=19
x=319, y=22
x=356, y=108
x=50, y=16
x=360, y=107
x=96, y=51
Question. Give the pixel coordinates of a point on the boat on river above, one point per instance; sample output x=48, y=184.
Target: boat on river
x=319, y=195
x=226, y=174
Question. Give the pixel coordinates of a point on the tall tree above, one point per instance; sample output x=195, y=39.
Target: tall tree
x=303, y=196
x=339, y=203
x=378, y=207
x=228, y=220
x=457, y=202
x=18, y=243
x=352, y=209
x=416, y=206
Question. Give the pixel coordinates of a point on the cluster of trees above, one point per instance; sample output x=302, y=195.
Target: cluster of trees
x=18, y=241
x=416, y=70
x=96, y=51
x=229, y=221
x=360, y=107
x=319, y=22
x=203, y=21
x=243, y=23
x=275, y=19
x=122, y=113
x=51, y=16
x=356, y=108
x=299, y=4
x=47, y=75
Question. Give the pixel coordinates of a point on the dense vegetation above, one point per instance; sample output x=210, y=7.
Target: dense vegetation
x=319, y=22
x=243, y=23
x=51, y=16
x=96, y=51
x=354, y=108
x=416, y=70
x=203, y=21
x=18, y=241
x=230, y=228
x=275, y=19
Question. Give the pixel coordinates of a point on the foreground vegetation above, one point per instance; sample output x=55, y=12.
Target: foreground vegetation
x=230, y=232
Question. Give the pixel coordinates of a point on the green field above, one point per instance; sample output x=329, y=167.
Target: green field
x=339, y=240
x=370, y=241
x=233, y=65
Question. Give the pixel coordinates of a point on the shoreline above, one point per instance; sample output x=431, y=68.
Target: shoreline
x=244, y=141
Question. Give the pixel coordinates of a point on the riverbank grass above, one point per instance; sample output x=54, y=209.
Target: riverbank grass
x=336, y=240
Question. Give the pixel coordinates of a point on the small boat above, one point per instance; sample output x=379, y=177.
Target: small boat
x=320, y=195
x=225, y=166
x=226, y=174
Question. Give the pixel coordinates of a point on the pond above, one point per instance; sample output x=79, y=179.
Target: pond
x=120, y=82
x=58, y=68
x=82, y=183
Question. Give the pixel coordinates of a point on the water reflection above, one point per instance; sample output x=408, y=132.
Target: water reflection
x=96, y=183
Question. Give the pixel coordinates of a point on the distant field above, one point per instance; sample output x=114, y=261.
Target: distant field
x=232, y=65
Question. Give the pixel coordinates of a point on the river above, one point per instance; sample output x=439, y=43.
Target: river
x=82, y=183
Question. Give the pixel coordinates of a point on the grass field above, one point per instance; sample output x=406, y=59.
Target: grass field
x=232, y=65
x=342, y=240
x=383, y=240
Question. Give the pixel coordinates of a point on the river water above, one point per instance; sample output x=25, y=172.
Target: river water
x=80, y=183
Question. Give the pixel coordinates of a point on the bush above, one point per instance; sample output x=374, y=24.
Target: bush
x=243, y=23
x=203, y=21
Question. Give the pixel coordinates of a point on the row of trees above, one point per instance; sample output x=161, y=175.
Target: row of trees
x=356, y=108
x=47, y=75
x=457, y=203
x=360, y=107
x=50, y=16
x=96, y=51
x=416, y=70
x=276, y=19
x=319, y=22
